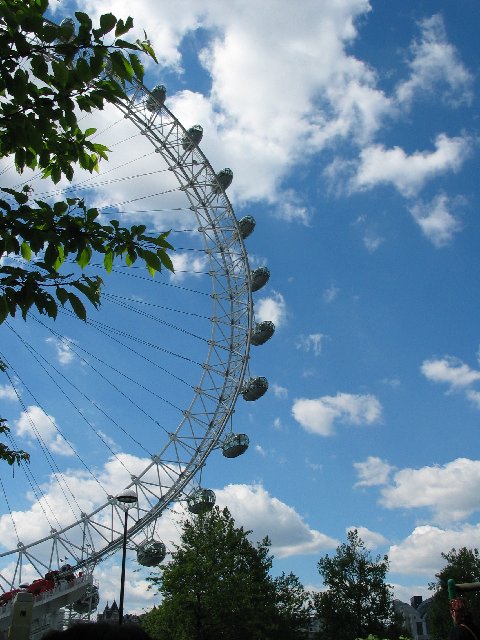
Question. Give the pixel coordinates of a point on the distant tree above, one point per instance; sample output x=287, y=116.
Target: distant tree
x=462, y=566
x=357, y=602
x=293, y=607
x=217, y=585
x=48, y=74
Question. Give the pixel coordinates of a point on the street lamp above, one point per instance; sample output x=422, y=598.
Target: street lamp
x=127, y=498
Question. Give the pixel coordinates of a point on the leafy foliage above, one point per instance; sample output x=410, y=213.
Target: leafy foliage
x=11, y=456
x=217, y=585
x=462, y=565
x=48, y=74
x=293, y=607
x=357, y=601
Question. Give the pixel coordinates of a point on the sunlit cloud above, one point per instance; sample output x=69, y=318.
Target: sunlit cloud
x=436, y=221
x=63, y=349
x=409, y=173
x=254, y=508
x=36, y=425
x=7, y=392
x=454, y=373
x=435, y=66
x=279, y=391
x=420, y=552
x=449, y=492
x=320, y=414
x=312, y=342
x=371, y=539
x=372, y=471
x=272, y=308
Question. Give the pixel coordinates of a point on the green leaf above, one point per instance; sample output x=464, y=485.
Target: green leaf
x=60, y=258
x=60, y=72
x=108, y=261
x=166, y=261
x=84, y=257
x=130, y=258
x=51, y=255
x=60, y=207
x=20, y=159
x=3, y=309
x=107, y=22
x=83, y=19
x=152, y=260
x=62, y=295
x=83, y=70
x=26, y=251
x=137, y=66
x=77, y=306
x=122, y=27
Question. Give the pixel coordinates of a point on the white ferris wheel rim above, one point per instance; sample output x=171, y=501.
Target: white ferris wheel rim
x=224, y=368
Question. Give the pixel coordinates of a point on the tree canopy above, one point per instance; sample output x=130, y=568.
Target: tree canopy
x=462, y=565
x=49, y=75
x=217, y=585
x=357, y=602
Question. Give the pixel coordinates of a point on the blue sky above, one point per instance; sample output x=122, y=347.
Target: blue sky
x=352, y=131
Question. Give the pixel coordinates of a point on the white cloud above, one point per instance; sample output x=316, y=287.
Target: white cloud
x=65, y=355
x=420, y=553
x=277, y=424
x=244, y=128
x=435, y=220
x=7, y=392
x=186, y=264
x=291, y=209
x=409, y=173
x=404, y=592
x=35, y=424
x=254, y=508
x=371, y=539
x=312, y=342
x=319, y=415
x=271, y=308
x=451, y=371
x=372, y=242
x=373, y=471
x=330, y=293
x=279, y=391
x=435, y=63
x=474, y=397
x=450, y=491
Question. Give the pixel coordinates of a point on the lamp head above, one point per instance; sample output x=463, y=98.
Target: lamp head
x=127, y=497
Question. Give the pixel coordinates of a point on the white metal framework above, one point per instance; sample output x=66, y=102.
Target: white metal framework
x=92, y=536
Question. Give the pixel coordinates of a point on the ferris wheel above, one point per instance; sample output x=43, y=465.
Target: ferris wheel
x=145, y=389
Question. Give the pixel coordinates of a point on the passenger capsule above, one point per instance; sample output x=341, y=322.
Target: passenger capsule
x=259, y=278
x=223, y=180
x=235, y=444
x=150, y=553
x=156, y=98
x=89, y=601
x=201, y=501
x=246, y=226
x=255, y=388
x=262, y=332
x=193, y=137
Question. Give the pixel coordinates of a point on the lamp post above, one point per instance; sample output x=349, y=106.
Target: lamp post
x=127, y=498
